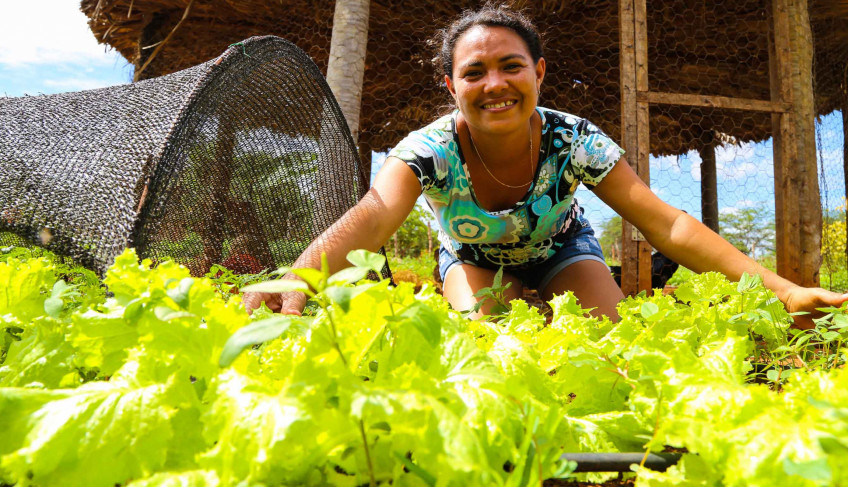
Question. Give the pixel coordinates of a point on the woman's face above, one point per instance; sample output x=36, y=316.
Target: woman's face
x=495, y=82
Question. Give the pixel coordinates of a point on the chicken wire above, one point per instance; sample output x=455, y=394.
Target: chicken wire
x=718, y=48
x=240, y=161
x=717, y=164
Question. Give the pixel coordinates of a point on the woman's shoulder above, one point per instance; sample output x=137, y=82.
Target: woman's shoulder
x=559, y=118
x=428, y=141
x=439, y=130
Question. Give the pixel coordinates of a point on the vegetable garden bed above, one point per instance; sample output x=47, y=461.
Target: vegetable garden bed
x=166, y=380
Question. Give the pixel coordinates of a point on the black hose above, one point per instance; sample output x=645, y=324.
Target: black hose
x=620, y=462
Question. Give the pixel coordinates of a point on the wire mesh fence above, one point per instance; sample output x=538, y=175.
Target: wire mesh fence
x=715, y=162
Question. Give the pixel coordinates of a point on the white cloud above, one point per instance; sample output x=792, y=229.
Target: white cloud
x=695, y=172
x=76, y=84
x=742, y=170
x=47, y=31
x=665, y=163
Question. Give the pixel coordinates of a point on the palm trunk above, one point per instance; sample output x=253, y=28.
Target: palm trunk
x=346, y=67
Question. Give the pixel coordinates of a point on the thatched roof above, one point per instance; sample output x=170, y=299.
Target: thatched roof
x=711, y=48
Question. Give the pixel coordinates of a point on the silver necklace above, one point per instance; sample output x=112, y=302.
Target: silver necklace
x=474, y=146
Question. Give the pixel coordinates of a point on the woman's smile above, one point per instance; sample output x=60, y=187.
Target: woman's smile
x=499, y=105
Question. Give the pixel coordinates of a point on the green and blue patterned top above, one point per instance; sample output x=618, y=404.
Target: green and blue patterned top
x=572, y=151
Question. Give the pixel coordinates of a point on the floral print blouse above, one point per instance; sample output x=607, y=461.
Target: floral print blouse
x=572, y=151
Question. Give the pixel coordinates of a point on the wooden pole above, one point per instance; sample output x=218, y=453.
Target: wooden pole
x=365, y=162
x=787, y=239
x=643, y=139
x=797, y=202
x=844, y=142
x=155, y=29
x=629, y=128
x=709, y=184
x=810, y=201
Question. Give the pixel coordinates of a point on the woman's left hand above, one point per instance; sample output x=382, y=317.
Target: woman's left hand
x=809, y=299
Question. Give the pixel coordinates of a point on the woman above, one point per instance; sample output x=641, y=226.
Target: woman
x=500, y=174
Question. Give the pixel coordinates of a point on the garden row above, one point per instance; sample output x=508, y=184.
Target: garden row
x=165, y=380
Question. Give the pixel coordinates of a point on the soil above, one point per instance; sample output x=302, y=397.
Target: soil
x=570, y=483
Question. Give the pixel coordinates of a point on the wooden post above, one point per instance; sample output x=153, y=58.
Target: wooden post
x=365, y=163
x=635, y=252
x=709, y=185
x=629, y=127
x=797, y=204
x=155, y=29
x=844, y=140
x=811, y=210
x=643, y=137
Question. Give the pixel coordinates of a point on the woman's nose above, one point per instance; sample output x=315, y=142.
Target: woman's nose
x=495, y=81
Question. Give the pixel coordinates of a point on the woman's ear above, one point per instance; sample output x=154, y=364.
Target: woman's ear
x=540, y=73
x=451, y=87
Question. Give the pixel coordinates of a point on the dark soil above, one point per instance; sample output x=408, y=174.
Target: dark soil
x=570, y=483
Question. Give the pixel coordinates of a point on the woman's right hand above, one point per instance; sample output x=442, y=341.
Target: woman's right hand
x=291, y=303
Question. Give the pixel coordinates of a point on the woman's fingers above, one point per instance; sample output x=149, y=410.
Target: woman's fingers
x=253, y=301
x=292, y=303
x=805, y=299
x=285, y=303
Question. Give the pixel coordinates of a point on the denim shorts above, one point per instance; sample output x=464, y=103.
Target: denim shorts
x=582, y=245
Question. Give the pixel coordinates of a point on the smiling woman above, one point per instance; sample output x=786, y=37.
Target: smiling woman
x=500, y=174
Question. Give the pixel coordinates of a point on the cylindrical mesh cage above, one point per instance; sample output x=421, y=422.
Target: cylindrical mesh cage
x=239, y=161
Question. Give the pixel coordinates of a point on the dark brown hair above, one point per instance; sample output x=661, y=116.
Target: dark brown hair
x=488, y=15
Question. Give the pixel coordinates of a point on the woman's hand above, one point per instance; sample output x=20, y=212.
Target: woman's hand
x=807, y=299
x=291, y=303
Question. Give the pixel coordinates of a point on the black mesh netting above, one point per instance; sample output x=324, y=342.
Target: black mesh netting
x=240, y=161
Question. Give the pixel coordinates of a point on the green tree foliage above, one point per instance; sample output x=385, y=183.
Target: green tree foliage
x=416, y=236
x=751, y=230
x=611, y=239
x=834, y=273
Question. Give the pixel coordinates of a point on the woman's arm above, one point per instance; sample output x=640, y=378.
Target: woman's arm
x=368, y=225
x=690, y=243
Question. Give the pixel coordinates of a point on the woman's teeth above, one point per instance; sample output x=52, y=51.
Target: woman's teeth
x=499, y=105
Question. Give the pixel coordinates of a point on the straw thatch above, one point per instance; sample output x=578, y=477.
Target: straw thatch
x=711, y=48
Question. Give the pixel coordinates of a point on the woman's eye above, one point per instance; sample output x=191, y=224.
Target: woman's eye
x=513, y=67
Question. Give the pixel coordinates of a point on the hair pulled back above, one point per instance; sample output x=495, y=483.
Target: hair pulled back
x=488, y=15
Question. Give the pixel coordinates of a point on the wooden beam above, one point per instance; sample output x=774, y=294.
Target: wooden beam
x=643, y=132
x=747, y=104
x=629, y=127
x=709, y=184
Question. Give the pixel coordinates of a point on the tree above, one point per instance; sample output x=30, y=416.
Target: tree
x=346, y=67
x=611, y=239
x=415, y=235
x=833, y=269
x=751, y=230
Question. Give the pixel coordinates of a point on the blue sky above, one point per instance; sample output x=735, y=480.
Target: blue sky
x=46, y=47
